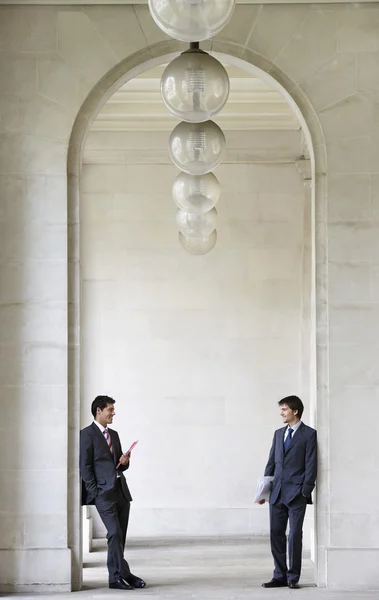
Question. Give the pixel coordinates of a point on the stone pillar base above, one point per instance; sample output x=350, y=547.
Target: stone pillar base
x=87, y=530
x=41, y=570
x=351, y=569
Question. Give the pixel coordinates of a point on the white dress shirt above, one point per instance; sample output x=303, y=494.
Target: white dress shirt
x=294, y=429
x=100, y=427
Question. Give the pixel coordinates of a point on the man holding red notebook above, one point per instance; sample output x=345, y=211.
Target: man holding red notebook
x=102, y=466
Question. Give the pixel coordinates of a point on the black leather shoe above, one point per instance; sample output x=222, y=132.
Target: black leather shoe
x=293, y=585
x=275, y=583
x=136, y=582
x=120, y=584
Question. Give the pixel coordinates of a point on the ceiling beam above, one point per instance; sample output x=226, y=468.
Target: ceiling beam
x=162, y=157
x=155, y=124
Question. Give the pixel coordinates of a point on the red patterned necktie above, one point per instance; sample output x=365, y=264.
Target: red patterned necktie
x=108, y=438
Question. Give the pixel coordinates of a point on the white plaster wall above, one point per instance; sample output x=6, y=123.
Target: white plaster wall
x=196, y=350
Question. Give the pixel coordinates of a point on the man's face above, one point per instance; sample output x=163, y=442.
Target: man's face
x=288, y=415
x=105, y=416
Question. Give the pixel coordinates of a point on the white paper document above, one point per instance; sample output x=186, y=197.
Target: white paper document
x=264, y=486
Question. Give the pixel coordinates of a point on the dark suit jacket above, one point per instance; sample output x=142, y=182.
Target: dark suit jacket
x=295, y=470
x=98, y=464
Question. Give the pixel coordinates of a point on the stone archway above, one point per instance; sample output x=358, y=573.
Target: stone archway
x=121, y=73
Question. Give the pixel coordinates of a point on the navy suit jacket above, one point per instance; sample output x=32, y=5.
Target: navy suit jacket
x=295, y=470
x=98, y=464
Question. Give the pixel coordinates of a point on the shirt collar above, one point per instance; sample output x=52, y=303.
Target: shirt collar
x=295, y=427
x=100, y=426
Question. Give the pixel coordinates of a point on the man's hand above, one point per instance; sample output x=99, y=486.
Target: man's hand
x=261, y=501
x=124, y=459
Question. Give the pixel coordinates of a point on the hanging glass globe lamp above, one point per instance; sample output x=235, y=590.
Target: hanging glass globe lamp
x=196, y=193
x=198, y=246
x=197, y=148
x=191, y=20
x=195, y=86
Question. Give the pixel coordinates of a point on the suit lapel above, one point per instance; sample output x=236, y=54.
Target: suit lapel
x=114, y=444
x=295, y=438
x=281, y=442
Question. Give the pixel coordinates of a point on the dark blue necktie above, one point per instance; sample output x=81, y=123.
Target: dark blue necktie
x=288, y=439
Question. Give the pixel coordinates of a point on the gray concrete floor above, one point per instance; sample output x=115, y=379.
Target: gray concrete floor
x=203, y=569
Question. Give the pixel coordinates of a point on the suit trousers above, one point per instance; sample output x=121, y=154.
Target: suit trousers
x=114, y=509
x=280, y=514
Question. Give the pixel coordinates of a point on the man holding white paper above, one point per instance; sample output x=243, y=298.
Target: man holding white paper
x=102, y=464
x=293, y=464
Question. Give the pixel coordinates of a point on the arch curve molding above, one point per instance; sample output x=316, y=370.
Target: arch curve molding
x=122, y=72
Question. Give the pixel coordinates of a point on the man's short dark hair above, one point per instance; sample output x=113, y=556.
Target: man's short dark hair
x=294, y=403
x=100, y=402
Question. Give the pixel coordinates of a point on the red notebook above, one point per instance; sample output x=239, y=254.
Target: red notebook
x=127, y=452
x=131, y=447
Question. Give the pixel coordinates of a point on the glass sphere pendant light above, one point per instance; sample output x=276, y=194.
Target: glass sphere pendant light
x=189, y=20
x=196, y=148
x=196, y=193
x=198, y=246
x=198, y=226
x=195, y=86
